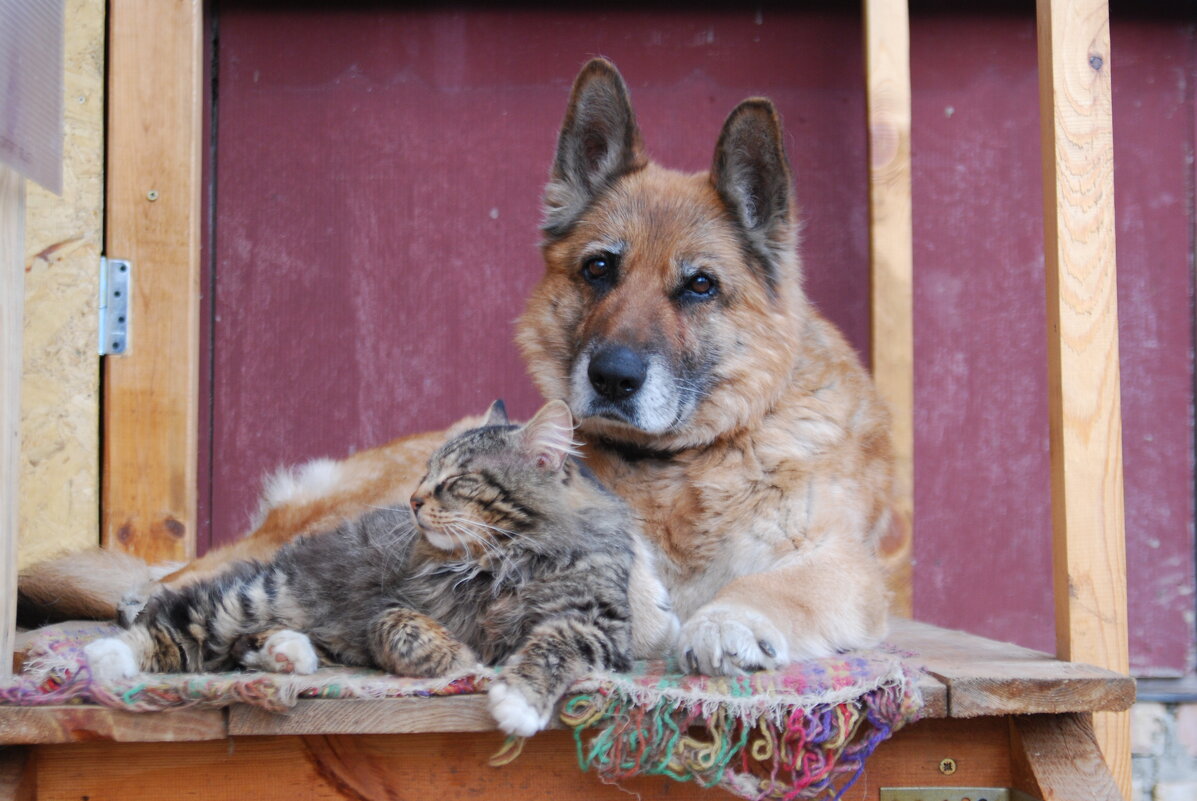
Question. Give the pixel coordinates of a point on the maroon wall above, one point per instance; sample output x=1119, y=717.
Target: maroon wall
x=376, y=180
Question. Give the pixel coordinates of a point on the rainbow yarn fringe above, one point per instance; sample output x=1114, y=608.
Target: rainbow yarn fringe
x=802, y=733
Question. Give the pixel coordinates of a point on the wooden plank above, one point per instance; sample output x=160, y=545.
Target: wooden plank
x=12, y=304
x=18, y=777
x=1089, y=552
x=887, y=69
x=150, y=394
x=382, y=716
x=985, y=677
x=69, y=723
x=1056, y=758
x=454, y=766
x=60, y=389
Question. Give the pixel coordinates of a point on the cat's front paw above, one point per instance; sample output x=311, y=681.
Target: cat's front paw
x=288, y=651
x=110, y=659
x=514, y=712
x=730, y=639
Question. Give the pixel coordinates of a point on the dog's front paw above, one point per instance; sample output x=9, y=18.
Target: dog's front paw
x=514, y=712
x=729, y=639
x=110, y=659
x=288, y=651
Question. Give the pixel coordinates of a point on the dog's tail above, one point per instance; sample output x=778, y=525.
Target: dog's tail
x=85, y=585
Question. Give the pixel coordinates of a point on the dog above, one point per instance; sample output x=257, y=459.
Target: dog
x=710, y=394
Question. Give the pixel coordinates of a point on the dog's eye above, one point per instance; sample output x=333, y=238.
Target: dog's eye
x=702, y=285
x=599, y=268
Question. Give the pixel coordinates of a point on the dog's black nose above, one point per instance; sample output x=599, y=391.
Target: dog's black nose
x=616, y=372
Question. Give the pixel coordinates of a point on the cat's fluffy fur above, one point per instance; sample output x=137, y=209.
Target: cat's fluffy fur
x=511, y=552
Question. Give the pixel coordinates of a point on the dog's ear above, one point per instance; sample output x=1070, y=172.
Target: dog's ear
x=599, y=142
x=549, y=436
x=752, y=175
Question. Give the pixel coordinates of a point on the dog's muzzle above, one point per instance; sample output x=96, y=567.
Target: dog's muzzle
x=618, y=383
x=616, y=372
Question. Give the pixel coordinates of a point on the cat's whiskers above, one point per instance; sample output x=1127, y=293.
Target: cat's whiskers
x=508, y=567
x=404, y=528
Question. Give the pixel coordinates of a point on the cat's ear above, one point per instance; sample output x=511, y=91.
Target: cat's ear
x=549, y=436
x=496, y=415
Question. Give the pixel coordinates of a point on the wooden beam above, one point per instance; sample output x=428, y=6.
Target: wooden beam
x=151, y=394
x=449, y=766
x=18, y=775
x=12, y=317
x=887, y=71
x=454, y=713
x=70, y=723
x=1089, y=552
x=1056, y=758
x=986, y=677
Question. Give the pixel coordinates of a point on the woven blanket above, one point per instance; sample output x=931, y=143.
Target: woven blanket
x=801, y=733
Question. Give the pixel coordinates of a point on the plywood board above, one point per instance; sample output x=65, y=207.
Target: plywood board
x=60, y=459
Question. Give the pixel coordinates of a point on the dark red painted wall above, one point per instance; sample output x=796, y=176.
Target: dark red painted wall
x=376, y=183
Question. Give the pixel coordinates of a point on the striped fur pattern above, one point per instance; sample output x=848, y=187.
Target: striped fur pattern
x=511, y=553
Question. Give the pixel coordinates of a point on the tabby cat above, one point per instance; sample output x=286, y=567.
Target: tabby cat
x=512, y=553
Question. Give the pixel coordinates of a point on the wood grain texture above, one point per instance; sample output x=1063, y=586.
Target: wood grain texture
x=887, y=79
x=150, y=394
x=69, y=723
x=60, y=391
x=18, y=777
x=1056, y=758
x=1084, y=404
x=454, y=766
x=986, y=677
x=384, y=716
x=12, y=304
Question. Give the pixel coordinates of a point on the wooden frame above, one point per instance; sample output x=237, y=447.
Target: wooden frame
x=12, y=318
x=1027, y=717
x=891, y=256
x=1088, y=543
x=151, y=394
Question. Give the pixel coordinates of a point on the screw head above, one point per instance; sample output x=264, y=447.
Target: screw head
x=947, y=766
x=151, y=195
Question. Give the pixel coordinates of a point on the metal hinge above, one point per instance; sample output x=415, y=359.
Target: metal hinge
x=116, y=279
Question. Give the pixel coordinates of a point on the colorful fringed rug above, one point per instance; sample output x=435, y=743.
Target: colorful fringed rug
x=801, y=733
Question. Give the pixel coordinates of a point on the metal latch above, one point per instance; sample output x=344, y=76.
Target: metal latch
x=116, y=280
x=951, y=794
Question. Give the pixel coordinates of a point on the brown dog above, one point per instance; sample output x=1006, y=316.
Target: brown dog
x=711, y=395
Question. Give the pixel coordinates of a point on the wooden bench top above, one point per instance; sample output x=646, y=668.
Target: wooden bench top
x=967, y=676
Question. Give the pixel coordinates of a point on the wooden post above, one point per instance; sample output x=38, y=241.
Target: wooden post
x=1089, y=552
x=12, y=320
x=887, y=71
x=151, y=394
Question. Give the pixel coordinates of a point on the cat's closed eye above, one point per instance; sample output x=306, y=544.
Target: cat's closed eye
x=459, y=484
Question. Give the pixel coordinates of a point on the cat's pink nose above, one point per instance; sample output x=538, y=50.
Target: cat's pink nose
x=416, y=503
